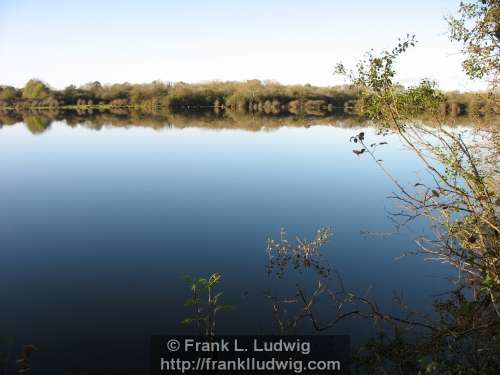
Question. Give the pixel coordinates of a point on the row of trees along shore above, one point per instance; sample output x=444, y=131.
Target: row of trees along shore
x=249, y=96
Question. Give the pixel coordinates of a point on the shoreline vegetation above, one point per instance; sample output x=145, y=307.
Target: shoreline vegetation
x=252, y=96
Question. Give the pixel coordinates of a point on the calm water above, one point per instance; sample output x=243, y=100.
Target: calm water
x=98, y=227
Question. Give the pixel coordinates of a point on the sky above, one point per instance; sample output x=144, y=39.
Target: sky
x=74, y=42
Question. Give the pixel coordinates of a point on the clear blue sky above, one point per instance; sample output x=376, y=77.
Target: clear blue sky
x=63, y=42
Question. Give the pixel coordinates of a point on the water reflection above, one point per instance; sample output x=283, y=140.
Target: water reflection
x=39, y=121
x=99, y=227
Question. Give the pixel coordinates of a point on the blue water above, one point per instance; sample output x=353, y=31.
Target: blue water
x=98, y=227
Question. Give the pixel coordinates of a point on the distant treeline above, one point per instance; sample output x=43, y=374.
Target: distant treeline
x=251, y=96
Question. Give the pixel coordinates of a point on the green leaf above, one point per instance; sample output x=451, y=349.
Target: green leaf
x=214, y=279
x=192, y=302
x=216, y=297
x=187, y=321
x=224, y=307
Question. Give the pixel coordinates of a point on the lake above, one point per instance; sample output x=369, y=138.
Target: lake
x=100, y=222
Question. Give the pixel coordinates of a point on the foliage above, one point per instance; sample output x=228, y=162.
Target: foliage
x=35, y=89
x=380, y=97
x=461, y=207
x=8, y=94
x=477, y=29
x=205, y=302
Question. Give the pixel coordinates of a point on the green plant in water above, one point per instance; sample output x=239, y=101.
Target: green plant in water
x=205, y=302
x=305, y=254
